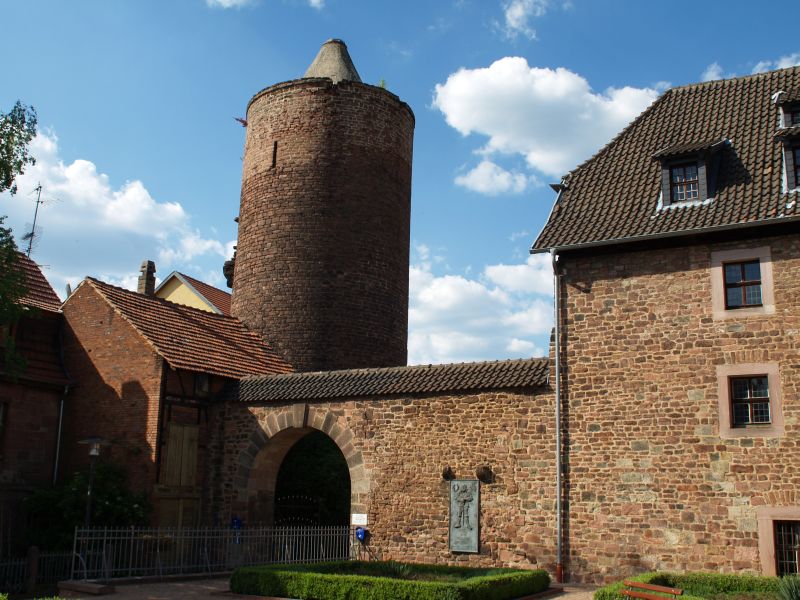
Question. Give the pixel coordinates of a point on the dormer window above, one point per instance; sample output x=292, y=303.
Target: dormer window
x=790, y=137
x=684, y=183
x=688, y=171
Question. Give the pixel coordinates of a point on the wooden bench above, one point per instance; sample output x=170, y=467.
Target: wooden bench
x=640, y=590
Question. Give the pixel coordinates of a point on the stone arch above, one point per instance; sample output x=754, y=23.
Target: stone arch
x=277, y=432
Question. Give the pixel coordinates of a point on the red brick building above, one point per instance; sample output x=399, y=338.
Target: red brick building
x=30, y=403
x=146, y=370
x=678, y=260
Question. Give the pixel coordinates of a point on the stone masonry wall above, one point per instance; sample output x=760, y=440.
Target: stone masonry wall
x=396, y=448
x=323, y=245
x=651, y=484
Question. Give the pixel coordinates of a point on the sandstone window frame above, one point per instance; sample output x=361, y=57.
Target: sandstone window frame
x=767, y=517
x=718, y=291
x=725, y=375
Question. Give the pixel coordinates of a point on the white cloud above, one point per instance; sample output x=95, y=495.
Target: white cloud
x=523, y=347
x=519, y=14
x=318, y=4
x=712, y=72
x=453, y=318
x=228, y=3
x=534, y=276
x=90, y=227
x=518, y=235
x=492, y=180
x=550, y=116
x=790, y=60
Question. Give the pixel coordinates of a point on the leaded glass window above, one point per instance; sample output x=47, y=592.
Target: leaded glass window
x=742, y=284
x=787, y=547
x=750, y=400
x=684, y=183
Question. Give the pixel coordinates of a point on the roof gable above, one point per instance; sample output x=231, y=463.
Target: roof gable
x=217, y=300
x=614, y=196
x=193, y=339
x=39, y=293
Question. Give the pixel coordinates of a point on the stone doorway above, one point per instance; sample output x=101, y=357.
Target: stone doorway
x=299, y=478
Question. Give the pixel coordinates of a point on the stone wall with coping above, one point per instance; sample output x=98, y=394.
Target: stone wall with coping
x=396, y=449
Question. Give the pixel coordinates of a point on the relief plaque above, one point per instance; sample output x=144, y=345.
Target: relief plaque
x=464, y=514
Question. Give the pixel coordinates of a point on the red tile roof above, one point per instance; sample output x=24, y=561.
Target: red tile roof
x=613, y=196
x=193, y=339
x=217, y=297
x=424, y=379
x=40, y=293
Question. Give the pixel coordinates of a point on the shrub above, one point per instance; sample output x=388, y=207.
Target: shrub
x=696, y=585
x=54, y=512
x=356, y=580
x=789, y=587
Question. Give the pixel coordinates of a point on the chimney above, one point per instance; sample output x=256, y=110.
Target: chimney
x=147, y=280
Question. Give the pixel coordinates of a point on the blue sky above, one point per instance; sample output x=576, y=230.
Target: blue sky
x=140, y=155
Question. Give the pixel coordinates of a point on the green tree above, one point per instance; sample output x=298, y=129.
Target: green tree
x=17, y=129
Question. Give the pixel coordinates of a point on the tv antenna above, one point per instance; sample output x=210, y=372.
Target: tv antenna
x=33, y=234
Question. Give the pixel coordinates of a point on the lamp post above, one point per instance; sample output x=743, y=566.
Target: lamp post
x=94, y=444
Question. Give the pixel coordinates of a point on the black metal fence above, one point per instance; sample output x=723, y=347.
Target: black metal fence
x=104, y=554
x=19, y=575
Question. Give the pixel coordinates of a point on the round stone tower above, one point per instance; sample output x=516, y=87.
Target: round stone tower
x=321, y=266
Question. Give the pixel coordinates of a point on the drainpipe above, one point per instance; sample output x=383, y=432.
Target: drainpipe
x=559, y=465
x=61, y=324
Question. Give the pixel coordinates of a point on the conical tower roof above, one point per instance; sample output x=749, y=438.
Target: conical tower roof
x=333, y=61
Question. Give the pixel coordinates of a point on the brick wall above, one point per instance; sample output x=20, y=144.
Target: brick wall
x=27, y=452
x=118, y=387
x=323, y=246
x=396, y=449
x=652, y=485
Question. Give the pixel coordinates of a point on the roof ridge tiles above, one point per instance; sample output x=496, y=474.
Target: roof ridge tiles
x=382, y=381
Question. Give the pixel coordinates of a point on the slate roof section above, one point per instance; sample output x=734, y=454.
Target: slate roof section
x=792, y=131
x=193, y=339
x=425, y=379
x=686, y=148
x=613, y=196
x=788, y=96
x=40, y=294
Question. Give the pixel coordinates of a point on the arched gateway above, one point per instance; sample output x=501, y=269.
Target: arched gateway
x=273, y=451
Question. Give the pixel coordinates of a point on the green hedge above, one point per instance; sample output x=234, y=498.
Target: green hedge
x=338, y=581
x=696, y=585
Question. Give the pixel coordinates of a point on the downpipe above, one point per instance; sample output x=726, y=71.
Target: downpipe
x=557, y=369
